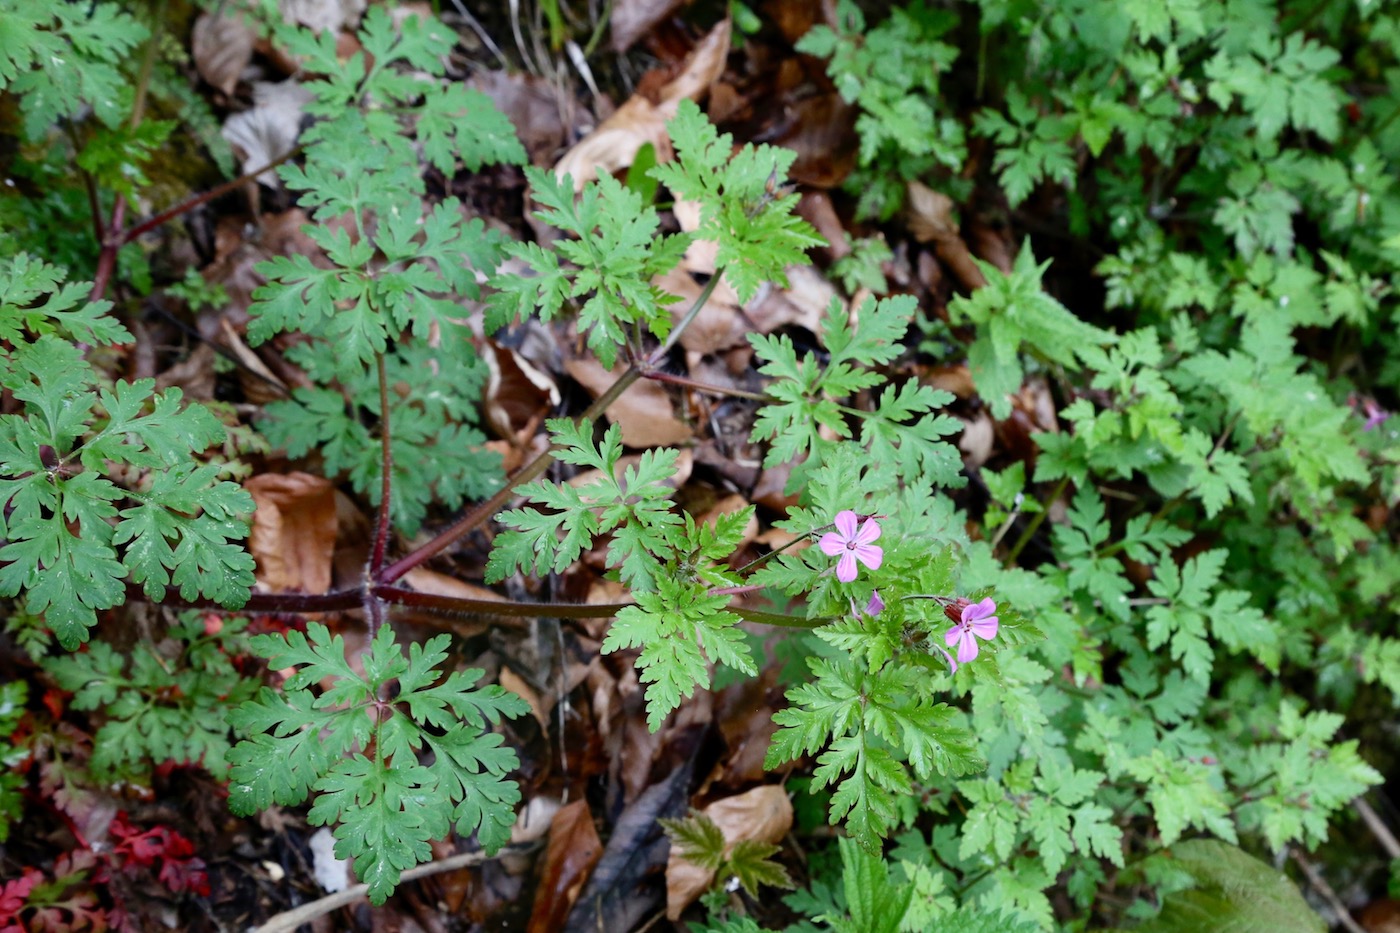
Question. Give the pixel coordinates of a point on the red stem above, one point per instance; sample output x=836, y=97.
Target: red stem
x=184, y=207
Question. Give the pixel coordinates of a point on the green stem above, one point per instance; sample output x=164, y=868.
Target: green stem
x=1034, y=525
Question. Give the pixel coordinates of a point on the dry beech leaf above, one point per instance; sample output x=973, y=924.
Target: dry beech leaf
x=294, y=530
x=222, y=46
x=569, y=858
x=816, y=208
x=517, y=394
x=720, y=324
x=643, y=412
x=803, y=302
x=631, y=19
x=270, y=129
x=763, y=814
x=976, y=440
x=614, y=144
x=534, y=820
x=516, y=684
x=930, y=217
x=194, y=374
x=322, y=15
x=956, y=379
x=532, y=107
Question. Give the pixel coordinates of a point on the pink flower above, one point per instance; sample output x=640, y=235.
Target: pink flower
x=852, y=544
x=1375, y=414
x=976, y=621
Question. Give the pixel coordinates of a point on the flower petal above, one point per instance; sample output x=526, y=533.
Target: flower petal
x=876, y=604
x=832, y=544
x=950, y=638
x=846, y=524
x=870, y=531
x=967, y=648
x=846, y=567
x=985, y=629
x=870, y=555
x=979, y=610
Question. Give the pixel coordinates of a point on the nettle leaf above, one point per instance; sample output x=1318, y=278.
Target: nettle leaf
x=1226, y=887
x=1012, y=311
x=386, y=809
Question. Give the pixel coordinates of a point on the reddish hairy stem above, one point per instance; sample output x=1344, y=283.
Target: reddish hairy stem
x=184, y=207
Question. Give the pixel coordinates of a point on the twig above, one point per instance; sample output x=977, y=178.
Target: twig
x=184, y=207
x=1377, y=827
x=289, y=920
x=1324, y=889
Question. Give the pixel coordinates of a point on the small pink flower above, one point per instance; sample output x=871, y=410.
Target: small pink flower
x=852, y=544
x=1375, y=414
x=876, y=604
x=976, y=621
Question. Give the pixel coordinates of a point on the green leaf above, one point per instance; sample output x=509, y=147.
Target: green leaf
x=1228, y=888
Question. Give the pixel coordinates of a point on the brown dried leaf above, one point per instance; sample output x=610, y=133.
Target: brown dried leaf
x=643, y=412
x=573, y=850
x=517, y=394
x=294, y=530
x=614, y=144
x=930, y=217
x=803, y=302
x=632, y=18
x=194, y=374
x=976, y=440
x=531, y=105
x=222, y=46
x=720, y=324
x=516, y=684
x=763, y=814
x=322, y=15
x=270, y=129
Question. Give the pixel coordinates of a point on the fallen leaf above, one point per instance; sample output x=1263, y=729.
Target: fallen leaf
x=976, y=440
x=516, y=684
x=719, y=325
x=631, y=19
x=294, y=531
x=270, y=129
x=929, y=214
x=517, y=394
x=323, y=15
x=617, y=896
x=569, y=858
x=644, y=411
x=221, y=45
x=804, y=302
x=763, y=814
x=194, y=374
x=533, y=109
x=614, y=144
x=816, y=208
